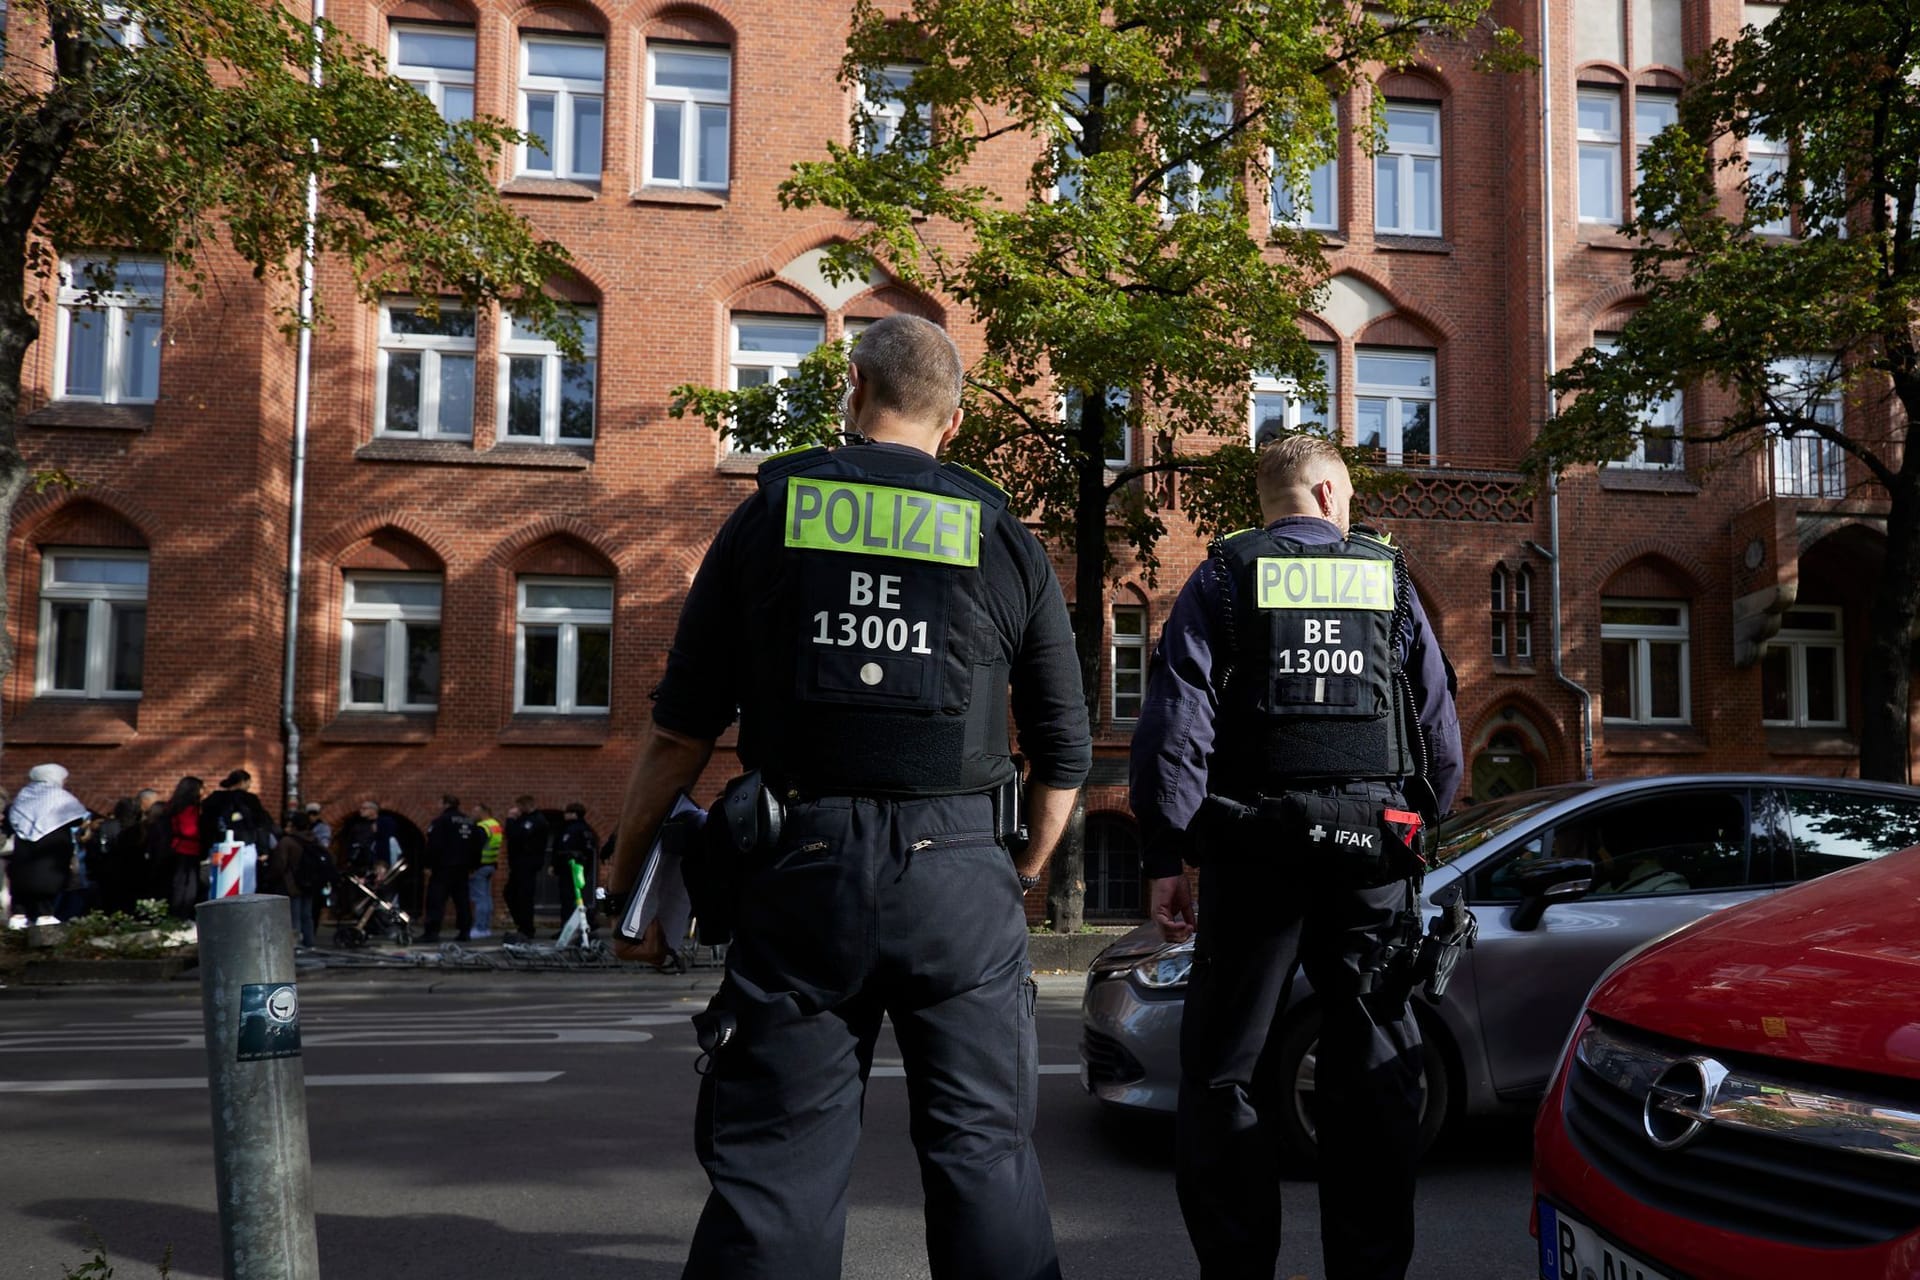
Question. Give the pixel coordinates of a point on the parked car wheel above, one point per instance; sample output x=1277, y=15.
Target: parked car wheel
x=1299, y=1046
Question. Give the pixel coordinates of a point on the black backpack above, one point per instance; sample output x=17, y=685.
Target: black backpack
x=314, y=870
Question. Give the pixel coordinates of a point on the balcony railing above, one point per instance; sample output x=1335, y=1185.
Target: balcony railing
x=1807, y=466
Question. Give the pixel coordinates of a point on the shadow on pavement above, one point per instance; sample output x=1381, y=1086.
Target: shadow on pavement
x=420, y=1246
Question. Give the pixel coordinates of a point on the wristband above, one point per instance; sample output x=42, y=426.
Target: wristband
x=1029, y=883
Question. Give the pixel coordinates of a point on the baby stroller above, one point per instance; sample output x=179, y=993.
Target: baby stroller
x=368, y=908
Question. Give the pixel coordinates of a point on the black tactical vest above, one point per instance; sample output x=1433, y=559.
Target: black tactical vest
x=1312, y=693
x=879, y=671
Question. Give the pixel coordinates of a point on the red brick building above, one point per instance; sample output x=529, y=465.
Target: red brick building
x=496, y=540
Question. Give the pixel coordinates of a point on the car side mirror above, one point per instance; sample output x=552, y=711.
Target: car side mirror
x=1549, y=881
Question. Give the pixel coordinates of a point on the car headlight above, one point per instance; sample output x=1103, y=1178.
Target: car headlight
x=1166, y=968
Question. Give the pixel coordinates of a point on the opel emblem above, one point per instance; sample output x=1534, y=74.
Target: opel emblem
x=1680, y=1103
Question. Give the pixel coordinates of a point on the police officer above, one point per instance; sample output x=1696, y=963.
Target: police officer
x=529, y=843
x=867, y=611
x=454, y=842
x=1298, y=729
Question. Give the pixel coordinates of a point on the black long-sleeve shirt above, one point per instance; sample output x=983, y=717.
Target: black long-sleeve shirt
x=1173, y=743
x=708, y=670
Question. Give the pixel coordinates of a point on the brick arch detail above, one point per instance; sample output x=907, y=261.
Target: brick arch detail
x=894, y=298
x=1610, y=299
x=1544, y=721
x=1848, y=524
x=1418, y=82
x=34, y=512
x=429, y=11
x=1350, y=263
x=721, y=15
x=1687, y=565
x=568, y=12
x=1601, y=68
x=767, y=265
x=525, y=539
x=340, y=539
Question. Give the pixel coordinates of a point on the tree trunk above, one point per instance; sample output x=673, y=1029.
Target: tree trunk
x=1886, y=670
x=1067, y=888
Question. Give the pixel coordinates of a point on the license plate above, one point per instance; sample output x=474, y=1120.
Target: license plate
x=1572, y=1250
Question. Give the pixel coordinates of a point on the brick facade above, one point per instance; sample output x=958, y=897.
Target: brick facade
x=201, y=479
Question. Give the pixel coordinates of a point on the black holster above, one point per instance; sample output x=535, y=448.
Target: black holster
x=742, y=830
x=1426, y=961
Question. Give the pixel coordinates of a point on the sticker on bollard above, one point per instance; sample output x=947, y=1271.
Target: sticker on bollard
x=269, y=1021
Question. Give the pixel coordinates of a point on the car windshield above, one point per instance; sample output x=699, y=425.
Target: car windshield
x=1470, y=828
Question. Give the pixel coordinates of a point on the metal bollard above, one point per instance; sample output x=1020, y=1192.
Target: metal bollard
x=258, y=1087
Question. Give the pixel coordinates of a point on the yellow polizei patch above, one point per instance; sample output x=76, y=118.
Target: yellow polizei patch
x=1323, y=582
x=880, y=520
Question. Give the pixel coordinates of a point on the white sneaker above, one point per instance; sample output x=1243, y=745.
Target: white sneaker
x=16, y=922
x=47, y=920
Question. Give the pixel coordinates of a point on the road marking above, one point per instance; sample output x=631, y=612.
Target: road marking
x=1046, y=1069
x=135, y=1084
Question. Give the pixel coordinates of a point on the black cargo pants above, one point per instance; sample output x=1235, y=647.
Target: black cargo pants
x=906, y=908
x=1257, y=922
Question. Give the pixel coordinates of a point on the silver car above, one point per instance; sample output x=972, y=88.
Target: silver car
x=1564, y=880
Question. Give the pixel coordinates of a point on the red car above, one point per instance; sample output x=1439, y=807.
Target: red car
x=1741, y=1099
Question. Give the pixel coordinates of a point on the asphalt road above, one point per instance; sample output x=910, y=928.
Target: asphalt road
x=487, y=1127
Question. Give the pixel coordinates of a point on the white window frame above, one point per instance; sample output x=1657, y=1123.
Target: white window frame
x=394, y=619
x=1119, y=399
x=117, y=306
x=561, y=147
x=570, y=621
x=1306, y=215
x=1265, y=383
x=1185, y=194
x=1603, y=144
x=1797, y=641
x=432, y=81
x=1804, y=464
x=1666, y=415
x=1134, y=648
x=550, y=387
x=779, y=365
x=100, y=599
x=1643, y=638
x=431, y=349
x=690, y=101
x=1642, y=138
x=1403, y=154
x=1066, y=187
x=887, y=113
x=1397, y=399
x=1767, y=160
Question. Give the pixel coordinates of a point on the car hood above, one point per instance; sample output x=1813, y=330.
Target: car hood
x=1827, y=972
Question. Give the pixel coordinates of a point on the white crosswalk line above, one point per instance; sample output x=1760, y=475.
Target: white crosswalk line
x=138, y=1084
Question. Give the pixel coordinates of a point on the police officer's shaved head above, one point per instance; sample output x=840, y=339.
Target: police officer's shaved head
x=1304, y=475
x=909, y=367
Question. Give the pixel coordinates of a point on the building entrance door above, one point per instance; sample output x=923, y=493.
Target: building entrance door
x=1503, y=767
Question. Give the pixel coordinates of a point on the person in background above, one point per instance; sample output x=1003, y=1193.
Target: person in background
x=481, y=885
x=322, y=830
x=373, y=842
x=575, y=855
x=304, y=865
x=235, y=811
x=47, y=821
x=119, y=857
x=529, y=841
x=454, y=843
x=179, y=829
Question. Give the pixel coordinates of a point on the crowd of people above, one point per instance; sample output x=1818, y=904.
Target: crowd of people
x=65, y=859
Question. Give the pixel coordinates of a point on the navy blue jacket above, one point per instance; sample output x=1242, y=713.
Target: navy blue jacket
x=1173, y=743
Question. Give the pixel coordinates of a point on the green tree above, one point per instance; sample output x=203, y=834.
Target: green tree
x=1126, y=281
x=1786, y=326
x=188, y=127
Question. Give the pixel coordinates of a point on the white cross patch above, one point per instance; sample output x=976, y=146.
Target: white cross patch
x=1318, y=833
